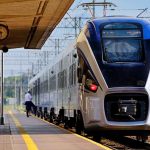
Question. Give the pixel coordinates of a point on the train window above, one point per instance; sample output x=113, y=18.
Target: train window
x=65, y=78
x=122, y=42
x=59, y=80
x=62, y=79
x=74, y=73
x=53, y=83
x=45, y=86
x=70, y=76
x=121, y=26
x=121, y=33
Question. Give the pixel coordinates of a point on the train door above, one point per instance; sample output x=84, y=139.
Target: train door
x=88, y=87
x=36, y=86
x=60, y=83
x=38, y=92
x=82, y=92
x=72, y=91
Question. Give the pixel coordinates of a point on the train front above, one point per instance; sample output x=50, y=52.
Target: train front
x=114, y=57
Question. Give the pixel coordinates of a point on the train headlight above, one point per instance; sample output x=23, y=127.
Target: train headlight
x=93, y=87
x=90, y=85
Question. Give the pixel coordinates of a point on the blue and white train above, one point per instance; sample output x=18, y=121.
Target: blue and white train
x=102, y=82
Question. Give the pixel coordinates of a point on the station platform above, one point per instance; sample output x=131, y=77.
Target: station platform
x=22, y=133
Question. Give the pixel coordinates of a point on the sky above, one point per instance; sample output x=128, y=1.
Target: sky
x=124, y=7
x=132, y=3
x=129, y=6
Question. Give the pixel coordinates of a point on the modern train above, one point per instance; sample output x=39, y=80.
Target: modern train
x=100, y=84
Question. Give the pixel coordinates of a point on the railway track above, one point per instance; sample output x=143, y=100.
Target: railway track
x=113, y=142
x=124, y=143
x=117, y=142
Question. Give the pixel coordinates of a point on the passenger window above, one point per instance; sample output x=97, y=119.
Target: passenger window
x=70, y=76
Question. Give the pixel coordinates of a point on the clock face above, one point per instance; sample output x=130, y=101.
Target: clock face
x=3, y=32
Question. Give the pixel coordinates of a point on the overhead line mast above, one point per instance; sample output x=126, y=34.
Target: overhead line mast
x=93, y=9
x=104, y=10
x=93, y=4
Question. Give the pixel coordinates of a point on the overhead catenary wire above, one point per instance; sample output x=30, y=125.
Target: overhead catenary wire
x=68, y=24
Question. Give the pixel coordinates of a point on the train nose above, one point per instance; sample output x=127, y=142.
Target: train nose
x=126, y=107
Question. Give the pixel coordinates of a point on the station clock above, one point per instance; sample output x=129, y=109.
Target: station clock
x=3, y=31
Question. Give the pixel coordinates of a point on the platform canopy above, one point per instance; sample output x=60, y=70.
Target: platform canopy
x=29, y=23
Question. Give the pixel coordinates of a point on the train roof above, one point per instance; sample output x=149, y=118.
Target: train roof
x=64, y=53
x=98, y=22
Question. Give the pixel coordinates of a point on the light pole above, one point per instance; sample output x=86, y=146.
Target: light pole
x=4, y=31
x=2, y=97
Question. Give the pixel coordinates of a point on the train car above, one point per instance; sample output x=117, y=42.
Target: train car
x=102, y=83
x=52, y=88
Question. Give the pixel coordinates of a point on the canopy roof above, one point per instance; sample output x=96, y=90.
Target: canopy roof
x=29, y=22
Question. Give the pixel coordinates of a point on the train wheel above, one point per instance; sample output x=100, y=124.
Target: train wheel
x=41, y=114
x=78, y=129
x=51, y=119
x=96, y=138
x=66, y=123
x=70, y=123
x=79, y=123
x=38, y=114
x=138, y=138
x=57, y=121
x=78, y=126
x=142, y=138
x=52, y=115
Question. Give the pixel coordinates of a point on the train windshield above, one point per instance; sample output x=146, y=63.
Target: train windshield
x=122, y=42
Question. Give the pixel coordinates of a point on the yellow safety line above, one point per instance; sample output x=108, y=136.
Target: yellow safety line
x=93, y=142
x=31, y=145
